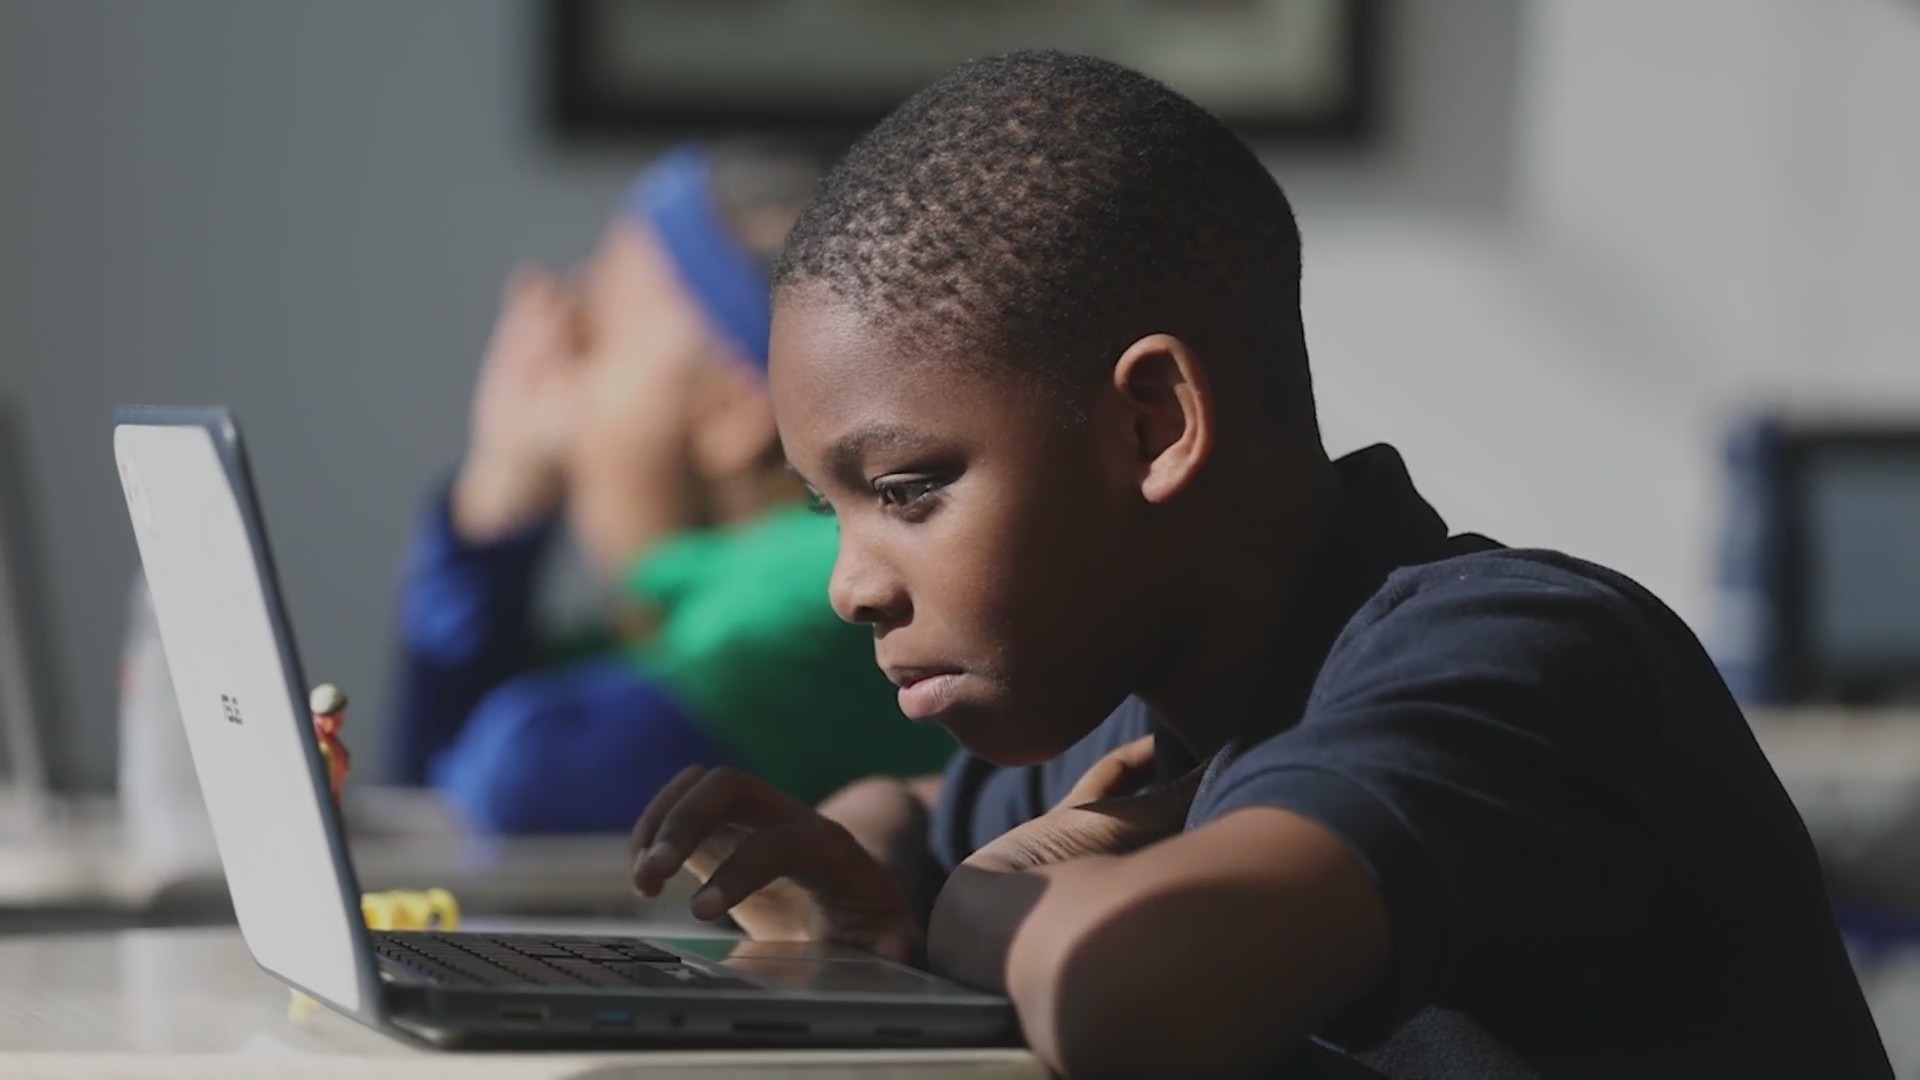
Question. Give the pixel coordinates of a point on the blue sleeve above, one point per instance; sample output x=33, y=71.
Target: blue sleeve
x=581, y=748
x=466, y=627
x=980, y=800
x=1485, y=745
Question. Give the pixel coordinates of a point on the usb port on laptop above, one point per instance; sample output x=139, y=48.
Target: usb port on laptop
x=612, y=1018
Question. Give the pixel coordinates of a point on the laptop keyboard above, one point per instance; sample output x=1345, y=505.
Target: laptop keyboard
x=475, y=960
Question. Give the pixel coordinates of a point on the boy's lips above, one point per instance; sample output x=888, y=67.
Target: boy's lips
x=925, y=692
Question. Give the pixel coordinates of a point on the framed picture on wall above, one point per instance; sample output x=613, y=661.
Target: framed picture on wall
x=1288, y=70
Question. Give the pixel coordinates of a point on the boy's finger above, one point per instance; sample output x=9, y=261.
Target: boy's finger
x=760, y=860
x=647, y=884
x=657, y=808
x=721, y=797
x=1118, y=773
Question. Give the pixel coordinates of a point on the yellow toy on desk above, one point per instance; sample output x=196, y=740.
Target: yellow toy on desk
x=403, y=909
x=407, y=909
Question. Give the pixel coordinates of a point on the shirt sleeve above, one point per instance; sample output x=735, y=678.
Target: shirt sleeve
x=980, y=800
x=465, y=627
x=1486, y=747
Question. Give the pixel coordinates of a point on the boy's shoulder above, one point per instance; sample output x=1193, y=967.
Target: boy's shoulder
x=1476, y=567
x=1539, y=766
x=1558, y=633
x=1566, y=654
x=1561, y=600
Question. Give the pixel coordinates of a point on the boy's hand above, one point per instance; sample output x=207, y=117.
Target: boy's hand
x=785, y=872
x=1102, y=815
x=523, y=410
x=992, y=893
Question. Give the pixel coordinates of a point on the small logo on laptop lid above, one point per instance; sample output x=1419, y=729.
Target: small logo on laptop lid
x=230, y=706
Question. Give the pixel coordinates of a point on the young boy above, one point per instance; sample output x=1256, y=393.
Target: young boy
x=1256, y=752
x=633, y=400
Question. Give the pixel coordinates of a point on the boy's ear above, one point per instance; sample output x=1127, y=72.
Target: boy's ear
x=1172, y=409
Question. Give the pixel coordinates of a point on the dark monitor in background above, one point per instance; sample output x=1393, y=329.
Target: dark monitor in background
x=1849, y=582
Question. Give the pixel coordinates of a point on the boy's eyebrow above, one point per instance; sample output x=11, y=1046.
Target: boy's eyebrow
x=849, y=450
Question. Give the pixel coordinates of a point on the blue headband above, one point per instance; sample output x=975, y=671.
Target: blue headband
x=675, y=198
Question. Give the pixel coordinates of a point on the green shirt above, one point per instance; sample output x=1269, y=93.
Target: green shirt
x=748, y=644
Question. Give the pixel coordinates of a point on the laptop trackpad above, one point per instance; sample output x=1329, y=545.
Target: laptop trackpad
x=797, y=967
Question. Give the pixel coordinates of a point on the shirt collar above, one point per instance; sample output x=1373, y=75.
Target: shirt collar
x=1382, y=523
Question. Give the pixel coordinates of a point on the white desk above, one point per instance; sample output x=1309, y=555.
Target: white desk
x=83, y=865
x=191, y=1003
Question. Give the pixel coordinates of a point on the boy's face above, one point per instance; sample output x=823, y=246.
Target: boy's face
x=992, y=542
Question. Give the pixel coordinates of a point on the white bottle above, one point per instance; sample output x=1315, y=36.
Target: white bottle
x=160, y=804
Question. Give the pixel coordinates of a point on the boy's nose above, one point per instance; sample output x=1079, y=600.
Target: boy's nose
x=863, y=591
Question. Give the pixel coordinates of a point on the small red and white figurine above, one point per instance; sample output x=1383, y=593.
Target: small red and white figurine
x=329, y=705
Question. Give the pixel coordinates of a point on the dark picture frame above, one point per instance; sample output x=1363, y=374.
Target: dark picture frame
x=608, y=78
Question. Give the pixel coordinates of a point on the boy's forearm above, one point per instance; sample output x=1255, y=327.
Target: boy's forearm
x=1286, y=930
x=981, y=910
x=1015, y=932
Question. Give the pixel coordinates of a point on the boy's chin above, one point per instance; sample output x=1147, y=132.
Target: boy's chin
x=1000, y=737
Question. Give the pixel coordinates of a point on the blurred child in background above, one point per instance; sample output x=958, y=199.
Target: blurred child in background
x=630, y=401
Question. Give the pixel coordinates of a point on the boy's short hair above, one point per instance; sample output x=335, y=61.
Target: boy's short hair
x=1049, y=210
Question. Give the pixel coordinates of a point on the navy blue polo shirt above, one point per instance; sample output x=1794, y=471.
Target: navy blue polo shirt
x=1589, y=867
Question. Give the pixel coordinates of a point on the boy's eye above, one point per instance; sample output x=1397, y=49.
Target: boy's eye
x=818, y=505
x=905, y=493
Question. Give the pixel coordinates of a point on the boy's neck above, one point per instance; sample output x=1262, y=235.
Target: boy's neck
x=1250, y=595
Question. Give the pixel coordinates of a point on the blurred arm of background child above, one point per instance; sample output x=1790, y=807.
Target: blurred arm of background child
x=511, y=477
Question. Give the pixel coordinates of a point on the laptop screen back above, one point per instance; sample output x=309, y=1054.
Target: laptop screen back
x=242, y=700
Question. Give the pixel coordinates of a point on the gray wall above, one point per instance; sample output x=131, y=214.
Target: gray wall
x=300, y=209
x=305, y=209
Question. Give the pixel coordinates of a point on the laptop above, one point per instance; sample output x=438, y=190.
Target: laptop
x=242, y=696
